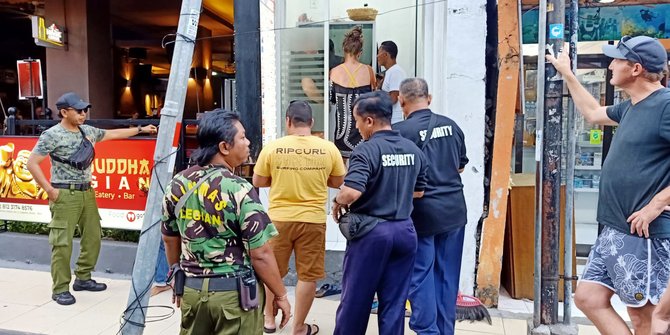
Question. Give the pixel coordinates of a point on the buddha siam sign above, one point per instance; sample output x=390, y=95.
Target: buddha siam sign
x=120, y=179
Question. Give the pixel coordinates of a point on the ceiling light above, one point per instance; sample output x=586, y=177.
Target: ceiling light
x=605, y=1
x=214, y=73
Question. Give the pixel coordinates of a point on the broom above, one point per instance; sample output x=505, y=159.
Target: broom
x=471, y=308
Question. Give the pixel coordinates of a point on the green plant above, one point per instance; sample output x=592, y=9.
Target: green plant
x=42, y=229
x=121, y=235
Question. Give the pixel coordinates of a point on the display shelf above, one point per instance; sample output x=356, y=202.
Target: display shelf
x=587, y=144
x=586, y=190
x=587, y=167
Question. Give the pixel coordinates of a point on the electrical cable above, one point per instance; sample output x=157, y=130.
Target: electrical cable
x=139, y=295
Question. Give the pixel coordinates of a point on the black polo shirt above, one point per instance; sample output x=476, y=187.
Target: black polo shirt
x=442, y=207
x=387, y=169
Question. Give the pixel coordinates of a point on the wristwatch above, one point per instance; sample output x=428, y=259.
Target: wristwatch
x=139, y=129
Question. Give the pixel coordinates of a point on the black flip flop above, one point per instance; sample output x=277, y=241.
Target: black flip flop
x=330, y=290
x=334, y=289
x=309, y=329
x=269, y=330
x=322, y=290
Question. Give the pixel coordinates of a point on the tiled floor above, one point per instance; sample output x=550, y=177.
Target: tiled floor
x=26, y=306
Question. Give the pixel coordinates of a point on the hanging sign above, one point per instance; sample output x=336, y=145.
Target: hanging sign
x=30, y=78
x=52, y=36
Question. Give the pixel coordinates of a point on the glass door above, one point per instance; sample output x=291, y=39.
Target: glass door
x=301, y=60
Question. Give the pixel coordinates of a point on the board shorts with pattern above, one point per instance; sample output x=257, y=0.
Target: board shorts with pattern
x=635, y=268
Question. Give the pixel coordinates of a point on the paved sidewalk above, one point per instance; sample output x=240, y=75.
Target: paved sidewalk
x=26, y=307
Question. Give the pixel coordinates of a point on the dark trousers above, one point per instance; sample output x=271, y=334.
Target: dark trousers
x=434, y=285
x=381, y=261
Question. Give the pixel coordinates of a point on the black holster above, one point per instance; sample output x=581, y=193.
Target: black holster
x=247, y=287
x=179, y=278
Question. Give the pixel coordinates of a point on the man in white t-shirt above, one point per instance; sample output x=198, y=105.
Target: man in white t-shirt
x=386, y=57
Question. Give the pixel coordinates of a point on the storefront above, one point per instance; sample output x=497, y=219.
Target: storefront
x=116, y=54
x=295, y=59
x=598, y=26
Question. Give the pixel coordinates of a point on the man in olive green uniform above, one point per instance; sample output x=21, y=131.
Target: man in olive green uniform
x=218, y=232
x=71, y=198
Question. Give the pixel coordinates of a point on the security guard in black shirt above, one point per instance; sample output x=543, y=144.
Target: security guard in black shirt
x=385, y=173
x=439, y=216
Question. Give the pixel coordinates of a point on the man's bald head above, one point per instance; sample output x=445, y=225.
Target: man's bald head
x=414, y=90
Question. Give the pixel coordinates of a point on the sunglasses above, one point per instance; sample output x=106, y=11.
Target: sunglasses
x=80, y=111
x=627, y=52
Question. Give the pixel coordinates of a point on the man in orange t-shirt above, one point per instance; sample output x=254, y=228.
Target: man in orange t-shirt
x=299, y=168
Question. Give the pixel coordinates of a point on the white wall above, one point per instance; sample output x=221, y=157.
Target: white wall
x=268, y=70
x=453, y=65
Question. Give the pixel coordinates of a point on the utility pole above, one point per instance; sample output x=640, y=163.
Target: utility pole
x=164, y=158
x=548, y=185
x=551, y=165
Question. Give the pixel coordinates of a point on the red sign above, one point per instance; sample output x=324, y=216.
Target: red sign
x=121, y=176
x=30, y=78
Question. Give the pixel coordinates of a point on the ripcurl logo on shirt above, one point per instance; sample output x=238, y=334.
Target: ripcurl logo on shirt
x=438, y=132
x=397, y=160
x=299, y=151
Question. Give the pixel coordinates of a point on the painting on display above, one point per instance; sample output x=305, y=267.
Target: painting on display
x=609, y=23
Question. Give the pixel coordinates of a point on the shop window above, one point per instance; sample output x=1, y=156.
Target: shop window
x=303, y=30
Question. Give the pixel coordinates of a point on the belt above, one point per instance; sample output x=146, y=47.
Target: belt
x=216, y=284
x=72, y=186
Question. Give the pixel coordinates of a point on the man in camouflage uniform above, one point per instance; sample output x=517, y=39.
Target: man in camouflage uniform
x=71, y=198
x=218, y=232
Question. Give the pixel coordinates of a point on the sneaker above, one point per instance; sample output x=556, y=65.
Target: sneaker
x=88, y=285
x=64, y=298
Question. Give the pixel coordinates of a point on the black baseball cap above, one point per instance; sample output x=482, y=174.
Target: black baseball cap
x=71, y=100
x=647, y=51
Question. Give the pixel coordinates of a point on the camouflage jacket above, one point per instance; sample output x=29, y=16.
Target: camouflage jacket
x=219, y=223
x=63, y=143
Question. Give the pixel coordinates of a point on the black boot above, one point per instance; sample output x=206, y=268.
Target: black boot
x=63, y=298
x=88, y=285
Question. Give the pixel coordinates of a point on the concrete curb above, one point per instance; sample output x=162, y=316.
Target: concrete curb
x=115, y=257
x=11, y=332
